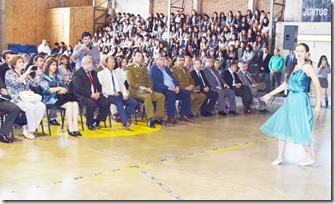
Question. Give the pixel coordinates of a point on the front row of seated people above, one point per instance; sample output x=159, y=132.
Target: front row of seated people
x=197, y=90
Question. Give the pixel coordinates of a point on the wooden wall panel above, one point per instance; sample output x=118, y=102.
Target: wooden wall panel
x=57, y=24
x=81, y=19
x=25, y=20
x=77, y=3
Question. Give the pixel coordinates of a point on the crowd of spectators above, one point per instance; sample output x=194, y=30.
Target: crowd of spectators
x=235, y=37
x=224, y=39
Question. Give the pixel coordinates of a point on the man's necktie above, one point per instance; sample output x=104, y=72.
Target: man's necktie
x=114, y=88
x=92, y=82
x=246, y=75
x=199, y=74
x=217, y=80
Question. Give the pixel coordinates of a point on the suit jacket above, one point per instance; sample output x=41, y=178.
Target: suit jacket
x=137, y=77
x=211, y=78
x=198, y=81
x=183, y=76
x=82, y=84
x=264, y=63
x=229, y=78
x=105, y=80
x=244, y=79
x=157, y=78
x=3, y=69
x=289, y=61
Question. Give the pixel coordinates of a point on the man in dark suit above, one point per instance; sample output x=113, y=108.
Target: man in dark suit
x=5, y=66
x=11, y=110
x=257, y=89
x=164, y=82
x=88, y=89
x=200, y=79
x=264, y=71
x=235, y=84
x=218, y=85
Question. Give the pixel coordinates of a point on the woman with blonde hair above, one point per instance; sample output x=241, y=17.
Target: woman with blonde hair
x=16, y=81
x=53, y=89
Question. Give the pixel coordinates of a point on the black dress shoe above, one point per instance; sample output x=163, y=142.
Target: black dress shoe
x=54, y=122
x=191, y=115
x=186, y=119
x=233, y=113
x=78, y=133
x=248, y=111
x=210, y=114
x=150, y=124
x=204, y=114
x=5, y=139
x=159, y=121
x=265, y=111
x=222, y=113
x=91, y=127
x=72, y=133
x=96, y=124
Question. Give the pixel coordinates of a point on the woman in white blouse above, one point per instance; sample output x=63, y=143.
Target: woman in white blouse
x=16, y=81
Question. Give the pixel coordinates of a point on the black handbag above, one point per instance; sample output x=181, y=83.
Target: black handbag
x=67, y=97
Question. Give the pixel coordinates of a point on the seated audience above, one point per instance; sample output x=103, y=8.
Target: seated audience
x=116, y=92
x=87, y=87
x=164, y=82
x=16, y=81
x=10, y=110
x=141, y=88
x=257, y=89
x=52, y=90
x=218, y=85
x=235, y=84
x=200, y=79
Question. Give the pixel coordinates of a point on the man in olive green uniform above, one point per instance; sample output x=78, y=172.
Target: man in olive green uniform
x=140, y=88
x=185, y=80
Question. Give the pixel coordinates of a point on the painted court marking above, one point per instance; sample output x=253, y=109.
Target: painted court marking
x=141, y=167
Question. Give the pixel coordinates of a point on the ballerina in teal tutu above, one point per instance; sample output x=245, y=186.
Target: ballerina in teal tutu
x=293, y=121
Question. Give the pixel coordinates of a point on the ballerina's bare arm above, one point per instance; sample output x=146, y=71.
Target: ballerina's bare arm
x=279, y=89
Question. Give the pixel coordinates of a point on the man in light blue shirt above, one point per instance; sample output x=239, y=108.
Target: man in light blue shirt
x=164, y=82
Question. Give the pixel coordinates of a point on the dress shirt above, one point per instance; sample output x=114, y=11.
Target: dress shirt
x=199, y=74
x=168, y=81
x=217, y=79
x=247, y=76
x=93, y=87
x=232, y=76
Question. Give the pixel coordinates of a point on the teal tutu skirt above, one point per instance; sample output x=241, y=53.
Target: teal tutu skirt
x=293, y=121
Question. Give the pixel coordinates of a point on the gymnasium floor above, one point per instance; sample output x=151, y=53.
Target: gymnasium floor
x=216, y=158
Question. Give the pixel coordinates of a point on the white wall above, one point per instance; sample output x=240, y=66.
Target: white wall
x=133, y=6
x=316, y=35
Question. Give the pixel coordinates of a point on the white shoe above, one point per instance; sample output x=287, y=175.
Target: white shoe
x=277, y=161
x=30, y=136
x=307, y=162
x=25, y=131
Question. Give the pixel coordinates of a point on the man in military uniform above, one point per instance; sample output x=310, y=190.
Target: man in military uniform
x=185, y=80
x=140, y=88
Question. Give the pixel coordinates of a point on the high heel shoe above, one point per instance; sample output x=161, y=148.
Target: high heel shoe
x=72, y=133
x=78, y=133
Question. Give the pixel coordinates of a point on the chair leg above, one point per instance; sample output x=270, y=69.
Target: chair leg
x=12, y=132
x=143, y=111
x=81, y=119
x=62, y=115
x=48, y=120
x=110, y=120
x=42, y=127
